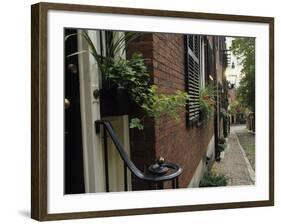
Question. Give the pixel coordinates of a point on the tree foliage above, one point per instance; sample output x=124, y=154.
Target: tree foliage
x=236, y=107
x=244, y=49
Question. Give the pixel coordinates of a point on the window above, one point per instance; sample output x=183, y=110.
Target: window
x=193, y=73
x=210, y=67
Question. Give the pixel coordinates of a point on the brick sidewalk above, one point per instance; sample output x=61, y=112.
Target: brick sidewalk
x=234, y=165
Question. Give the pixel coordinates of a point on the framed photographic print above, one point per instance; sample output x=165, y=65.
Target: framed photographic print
x=138, y=111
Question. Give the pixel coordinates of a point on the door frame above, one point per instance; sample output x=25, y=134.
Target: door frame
x=90, y=80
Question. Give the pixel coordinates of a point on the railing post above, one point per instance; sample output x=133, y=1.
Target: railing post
x=177, y=182
x=160, y=185
x=174, y=183
x=158, y=171
x=105, y=159
x=125, y=177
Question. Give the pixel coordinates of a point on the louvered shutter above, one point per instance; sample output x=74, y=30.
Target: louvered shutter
x=193, y=77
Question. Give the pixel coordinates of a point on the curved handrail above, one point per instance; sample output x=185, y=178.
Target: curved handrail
x=107, y=125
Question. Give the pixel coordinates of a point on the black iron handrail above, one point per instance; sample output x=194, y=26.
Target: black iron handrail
x=155, y=175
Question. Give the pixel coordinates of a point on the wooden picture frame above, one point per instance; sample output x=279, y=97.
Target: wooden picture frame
x=39, y=109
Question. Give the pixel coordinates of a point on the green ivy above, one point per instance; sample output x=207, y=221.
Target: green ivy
x=136, y=123
x=132, y=75
x=157, y=105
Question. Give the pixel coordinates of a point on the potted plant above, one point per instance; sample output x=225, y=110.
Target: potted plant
x=225, y=116
x=206, y=102
x=114, y=97
x=125, y=81
x=221, y=144
x=212, y=179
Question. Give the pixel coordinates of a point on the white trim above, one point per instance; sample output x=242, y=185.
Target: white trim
x=90, y=112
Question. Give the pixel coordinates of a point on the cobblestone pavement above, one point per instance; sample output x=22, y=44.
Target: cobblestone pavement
x=233, y=164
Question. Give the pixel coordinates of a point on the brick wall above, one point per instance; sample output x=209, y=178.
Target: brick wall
x=185, y=146
x=142, y=143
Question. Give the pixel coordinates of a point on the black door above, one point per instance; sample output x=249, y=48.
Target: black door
x=73, y=151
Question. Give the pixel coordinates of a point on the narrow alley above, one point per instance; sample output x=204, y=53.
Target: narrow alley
x=234, y=163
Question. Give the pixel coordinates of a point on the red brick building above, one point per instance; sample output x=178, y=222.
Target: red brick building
x=191, y=145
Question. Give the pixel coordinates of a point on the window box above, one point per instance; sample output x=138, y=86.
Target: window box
x=115, y=102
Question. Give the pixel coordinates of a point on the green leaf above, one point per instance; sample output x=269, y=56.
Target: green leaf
x=136, y=123
x=244, y=49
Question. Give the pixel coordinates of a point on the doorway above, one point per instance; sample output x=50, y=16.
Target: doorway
x=89, y=166
x=73, y=150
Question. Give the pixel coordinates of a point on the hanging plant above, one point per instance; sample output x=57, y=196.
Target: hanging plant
x=132, y=75
x=224, y=115
x=157, y=105
x=207, y=101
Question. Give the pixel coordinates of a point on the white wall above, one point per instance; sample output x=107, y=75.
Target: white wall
x=15, y=112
